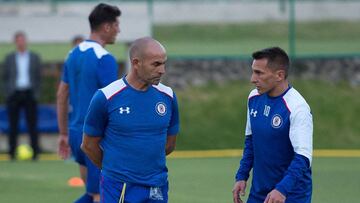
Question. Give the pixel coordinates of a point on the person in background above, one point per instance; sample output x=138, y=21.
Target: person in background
x=87, y=68
x=22, y=78
x=77, y=39
x=279, y=132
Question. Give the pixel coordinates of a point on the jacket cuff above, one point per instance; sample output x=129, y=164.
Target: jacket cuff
x=282, y=190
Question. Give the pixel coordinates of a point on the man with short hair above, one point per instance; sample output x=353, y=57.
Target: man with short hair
x=88, y=67
x=131, y=126
x=279, y=130
x=21, y=77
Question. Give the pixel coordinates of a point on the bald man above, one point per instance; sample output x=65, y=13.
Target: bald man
x=131, y=126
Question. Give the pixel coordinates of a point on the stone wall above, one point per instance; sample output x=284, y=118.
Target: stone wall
x=184, y=72
x=329, y=69
x=200, y=71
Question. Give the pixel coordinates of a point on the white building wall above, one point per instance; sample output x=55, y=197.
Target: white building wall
x=44, y=22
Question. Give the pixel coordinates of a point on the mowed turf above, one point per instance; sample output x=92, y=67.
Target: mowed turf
x=194, y=40
x=192, y=180
x=214, y=116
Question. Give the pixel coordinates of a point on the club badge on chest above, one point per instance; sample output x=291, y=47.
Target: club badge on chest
x=276, y=121
x=160, y=108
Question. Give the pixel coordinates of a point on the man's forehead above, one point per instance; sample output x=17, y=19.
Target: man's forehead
x=155, y=50
x=259, y=63
x=160, y=57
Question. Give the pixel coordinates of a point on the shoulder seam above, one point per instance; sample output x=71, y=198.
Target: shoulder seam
x=113, y=88
x=97, y=48
x=164, y=89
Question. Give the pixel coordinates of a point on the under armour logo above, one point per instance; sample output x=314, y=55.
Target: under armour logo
x=253, y=113
x=122, y=110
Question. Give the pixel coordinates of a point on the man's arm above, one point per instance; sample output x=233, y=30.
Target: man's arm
x=170, y=144
x=173, y=128
x=298, y=167
x=91, y=147
x=94, y=127
x=246, y=164
x=6, y=76
x=239, y=189
x=37, y=75
x=242, y=174
x=301, y=132
x=62, y=119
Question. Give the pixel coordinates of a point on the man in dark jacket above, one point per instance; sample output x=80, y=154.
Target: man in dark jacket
x=21, y=78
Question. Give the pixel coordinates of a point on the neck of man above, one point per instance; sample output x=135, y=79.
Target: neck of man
x=136, y=83
x=21, y=50
x=279, y=89
x=96, y=37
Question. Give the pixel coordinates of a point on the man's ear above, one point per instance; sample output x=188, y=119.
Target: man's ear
x=280, y=75
x=106, y=27
x=135, y=63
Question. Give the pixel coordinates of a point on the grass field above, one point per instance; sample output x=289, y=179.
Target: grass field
x=224, y=107
x=213, y=116
x=192, y=180
x=314, y=38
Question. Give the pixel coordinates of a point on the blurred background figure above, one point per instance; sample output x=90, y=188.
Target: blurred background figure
x=21, y=78
x=87, y=68
x=77, y=39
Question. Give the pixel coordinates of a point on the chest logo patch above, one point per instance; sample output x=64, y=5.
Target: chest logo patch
x=123, y=110
x=276, y=121
x=253, y=113
x=160, y=108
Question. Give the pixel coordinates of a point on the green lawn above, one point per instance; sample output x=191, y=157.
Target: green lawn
x=213, y=117
x=58, y=51
x=192, y=180
x=313, y=38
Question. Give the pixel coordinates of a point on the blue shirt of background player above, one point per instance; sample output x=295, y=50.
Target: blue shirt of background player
x=278, y=146
x=134, y=126
x=88, y=68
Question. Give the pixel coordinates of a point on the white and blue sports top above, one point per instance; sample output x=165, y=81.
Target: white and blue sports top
x=134, y=126
x=278, y=145
x=87, y=68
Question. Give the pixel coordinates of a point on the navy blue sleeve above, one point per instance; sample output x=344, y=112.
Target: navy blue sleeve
x=247, y=160
x=297, y=170
x=174, y=122
x=107, y=70
x=96, y=117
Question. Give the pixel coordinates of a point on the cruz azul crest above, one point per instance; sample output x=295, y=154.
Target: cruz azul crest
x=276, y=121
x=160, y=108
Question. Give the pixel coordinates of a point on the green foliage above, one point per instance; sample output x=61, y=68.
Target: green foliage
x=213, y=117
x=335, y=109
x=57, y=52
x=48, y=89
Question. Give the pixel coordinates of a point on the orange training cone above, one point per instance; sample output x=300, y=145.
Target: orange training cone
x=75, y=182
